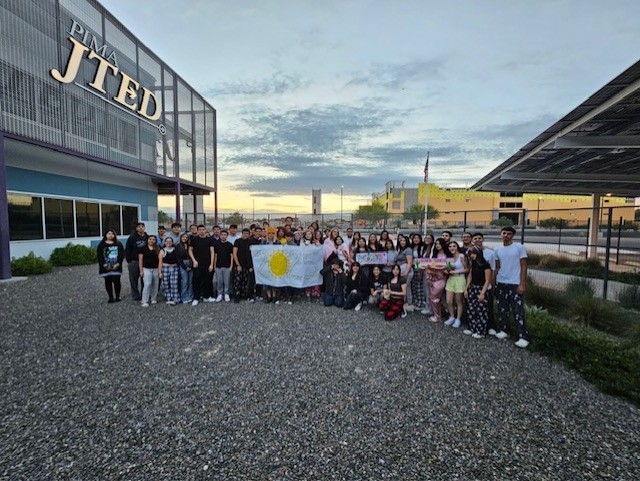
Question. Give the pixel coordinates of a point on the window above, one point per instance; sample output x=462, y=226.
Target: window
x=129, y=218
x=511, y=205
x=111, y=218
x=397, y=204
x=510, y=194
x=25, y=217
x=58, y=216
x=87, y=219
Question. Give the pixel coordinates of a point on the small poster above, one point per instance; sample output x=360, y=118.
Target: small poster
x=434, y=262
x=371, y=258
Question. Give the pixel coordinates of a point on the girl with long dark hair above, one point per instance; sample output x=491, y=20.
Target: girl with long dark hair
x=478, y=282
x=437, y=279
x=110, y=256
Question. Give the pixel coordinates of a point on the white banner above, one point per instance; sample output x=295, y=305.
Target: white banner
x=295, y=266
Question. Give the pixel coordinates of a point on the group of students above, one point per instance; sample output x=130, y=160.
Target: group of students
x=467, y=274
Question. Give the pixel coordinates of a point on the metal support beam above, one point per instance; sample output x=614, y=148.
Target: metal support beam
x=594, y=226
x=572, y=177
x=178, y=198
x=598, y=142
x=5, y=246
x=543, y=189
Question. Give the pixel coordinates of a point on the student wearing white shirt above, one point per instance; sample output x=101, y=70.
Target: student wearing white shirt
x=510, y=275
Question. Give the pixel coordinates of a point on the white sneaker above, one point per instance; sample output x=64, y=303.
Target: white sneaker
x=145, y=304
x=457, y=323
x=449, y=321
x=409, y=307
x=195, y=302
x=492, y=332
x=227, y=298
x=522, y=343
x=467, y=332
x=502, y=335
x=171, y=303
x=209, y=299
x=154, y=302
x=477, y=336
x=433, y=319
x=289, y=302
x=358, y=306
x=219, y=298
x=426, y=311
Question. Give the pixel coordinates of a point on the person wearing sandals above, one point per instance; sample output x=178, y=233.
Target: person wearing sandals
x=148, y=261
x=168, y=271
x=110, y=254
x=478, y=282
x=356, y=287
x=455, y=286
x=393, y=303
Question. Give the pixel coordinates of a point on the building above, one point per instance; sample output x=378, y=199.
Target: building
x=316, y=201
x=93, y=127
x=456, y=205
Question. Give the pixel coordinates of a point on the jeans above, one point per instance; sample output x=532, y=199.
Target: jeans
x=150, y=290
x=330, y=300
x=409, y=277
x=186, y=285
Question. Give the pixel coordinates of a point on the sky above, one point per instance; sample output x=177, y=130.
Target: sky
x=324, y=94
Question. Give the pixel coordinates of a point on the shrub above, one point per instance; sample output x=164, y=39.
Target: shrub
x=29, y=265
x=629, y=297
x=612, y=366
x=550, y=299
x=533, y=259
x=73, y=255
x=591, y=311
x=502, y=222
x=578, y=287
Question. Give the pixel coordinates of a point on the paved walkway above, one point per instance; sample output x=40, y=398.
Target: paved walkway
x=264, y=392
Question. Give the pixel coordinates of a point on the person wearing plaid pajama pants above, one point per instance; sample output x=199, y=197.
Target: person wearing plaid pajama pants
x=169, y=272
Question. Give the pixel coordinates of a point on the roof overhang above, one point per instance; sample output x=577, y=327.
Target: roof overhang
x=595, y=149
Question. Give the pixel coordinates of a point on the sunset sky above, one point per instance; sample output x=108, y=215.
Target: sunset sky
x=314, y=94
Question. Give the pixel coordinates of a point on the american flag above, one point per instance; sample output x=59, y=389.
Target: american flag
x=426, y=169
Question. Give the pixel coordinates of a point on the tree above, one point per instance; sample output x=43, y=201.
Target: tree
x=374, y=213
x=163, y=218
x=235, y=218
x=415, y=213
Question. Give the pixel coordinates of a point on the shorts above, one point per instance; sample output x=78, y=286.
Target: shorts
x=456, y=284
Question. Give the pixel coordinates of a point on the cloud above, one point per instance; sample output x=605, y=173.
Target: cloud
x=393, y=76
x=278, y=83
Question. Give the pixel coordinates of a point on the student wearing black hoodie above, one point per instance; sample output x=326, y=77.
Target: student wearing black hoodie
x=333, y=283
x=110, y=256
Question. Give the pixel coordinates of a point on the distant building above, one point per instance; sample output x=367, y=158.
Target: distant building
x=316, y=201
x=453, y=202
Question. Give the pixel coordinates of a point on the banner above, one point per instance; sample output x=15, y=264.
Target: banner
x=434, y=262
x=371, y=258
x=295, y=266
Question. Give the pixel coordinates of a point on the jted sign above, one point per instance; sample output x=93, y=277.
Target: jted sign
x=128, y=91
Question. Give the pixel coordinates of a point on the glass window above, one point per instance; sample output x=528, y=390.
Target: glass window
x=111, y=218
x=87, y=219
x=25, y=217
x=129, y=218
x=58, y=217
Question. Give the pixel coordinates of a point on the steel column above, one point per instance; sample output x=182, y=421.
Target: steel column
x=5, y=247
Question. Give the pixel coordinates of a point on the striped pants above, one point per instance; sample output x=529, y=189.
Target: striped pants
x=170, y=283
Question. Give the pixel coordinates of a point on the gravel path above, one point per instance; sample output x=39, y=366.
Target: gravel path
x=263, y=392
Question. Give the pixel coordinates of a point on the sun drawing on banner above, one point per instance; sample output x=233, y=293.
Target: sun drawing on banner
x=278, y=264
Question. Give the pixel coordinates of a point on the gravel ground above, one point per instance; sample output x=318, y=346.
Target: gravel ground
x=263, y=392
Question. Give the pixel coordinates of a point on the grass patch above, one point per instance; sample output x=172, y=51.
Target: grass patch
x=29, y=265
x=549, y=299
x=73, y=255
x=612, y=365
x=579, y=287
x=584, y=268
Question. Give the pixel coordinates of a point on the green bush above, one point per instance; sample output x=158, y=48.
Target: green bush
x=502, y=222
x=533, y=259
x=590, y=311
x=550, y=299
x=578, y=287
x=29, y=265
x=73, y=255
x=612, y=366
x=629, y=297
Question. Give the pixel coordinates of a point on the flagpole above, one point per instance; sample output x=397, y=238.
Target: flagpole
x=426, y=196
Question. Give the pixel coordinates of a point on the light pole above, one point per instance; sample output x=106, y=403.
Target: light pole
x=341, y=194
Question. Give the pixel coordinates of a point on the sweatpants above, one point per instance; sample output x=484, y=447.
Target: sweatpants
x=509, y=300
x=223, y=277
